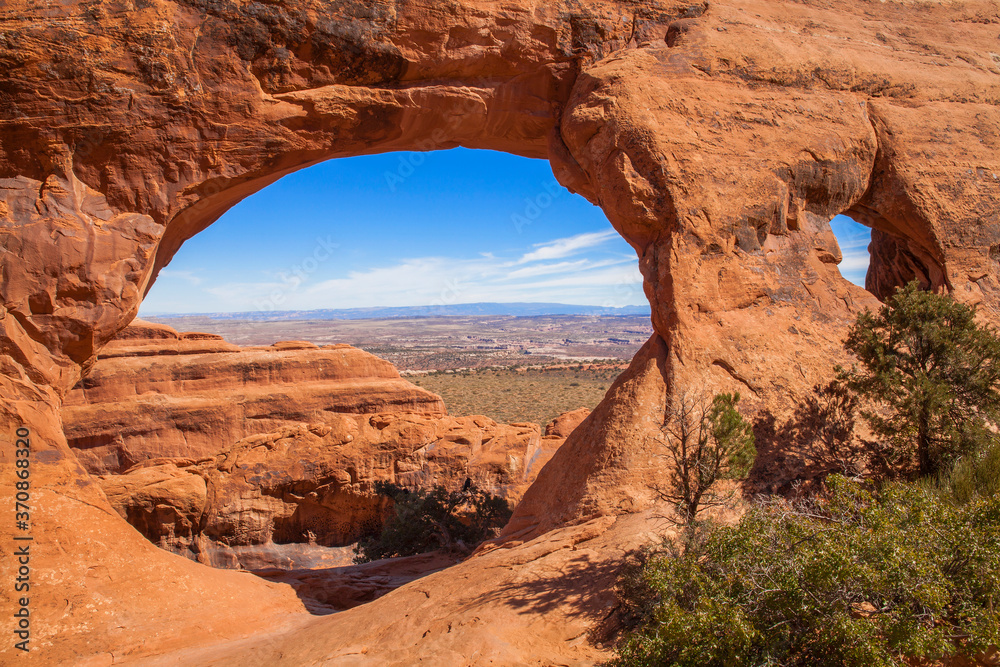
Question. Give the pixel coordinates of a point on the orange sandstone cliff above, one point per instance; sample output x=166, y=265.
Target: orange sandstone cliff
x=227, y=455
x=156, y=392
x=719, y=138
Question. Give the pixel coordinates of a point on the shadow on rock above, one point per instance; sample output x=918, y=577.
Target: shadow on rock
x=328, y=590
x=820, y=438
x=579, y=585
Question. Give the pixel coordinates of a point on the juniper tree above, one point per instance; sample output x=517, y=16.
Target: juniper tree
x=931, y=375
x=704, y=442
x=848, y=579
x=427, y=519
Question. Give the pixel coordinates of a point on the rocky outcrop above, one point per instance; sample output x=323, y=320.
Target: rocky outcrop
x=149, y=339
x=896, y=262
x=718, y=137
x=315, y=484
x=158, y=393
x=566, y=423
x=330, y=589
x=219, y=453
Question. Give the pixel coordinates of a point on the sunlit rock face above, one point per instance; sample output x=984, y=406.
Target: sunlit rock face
x=225, y=454
x=719, y=138
x=156, y=392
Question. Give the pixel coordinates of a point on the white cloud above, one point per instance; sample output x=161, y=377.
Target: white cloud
x=186, y=276
x=567, y=247
x=436, y=281
x=853, y=239
x=564, y=267
x=604, y=277
x=856, y=259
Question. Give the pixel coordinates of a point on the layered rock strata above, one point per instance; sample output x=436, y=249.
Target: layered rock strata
x=718, y=137
x=225, y=454
x=158, y=393
x=315, y=483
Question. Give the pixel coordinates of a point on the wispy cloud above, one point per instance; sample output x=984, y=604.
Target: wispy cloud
x=595, y=276
x=187, y=276
x=439, y=280
x=567, y=247
x=853, y=239
x=855, y=262
x=564, y=267
x=593, y=268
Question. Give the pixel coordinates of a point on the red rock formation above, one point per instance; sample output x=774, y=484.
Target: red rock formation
x=325, y=590
x=566, y=423
x=316, y=483
x=719, y=138
x=158, y=393
x=145, y=339
x=225, y=447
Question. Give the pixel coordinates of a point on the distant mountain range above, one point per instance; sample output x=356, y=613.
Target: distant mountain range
x=455, y=310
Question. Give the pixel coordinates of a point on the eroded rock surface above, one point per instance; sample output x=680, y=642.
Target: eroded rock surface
x=718, y=137
x=315, y=483
x=325, y=590
x=155, y=393
x=566, y=423
x=205, y=447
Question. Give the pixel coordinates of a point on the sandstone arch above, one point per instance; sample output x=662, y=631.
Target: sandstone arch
x=718, y=137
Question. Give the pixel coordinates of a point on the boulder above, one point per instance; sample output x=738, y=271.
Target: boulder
x=566, y=423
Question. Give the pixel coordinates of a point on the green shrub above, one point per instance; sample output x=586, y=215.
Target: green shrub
x=977, y=474
x=426, y=520
x=852, y=578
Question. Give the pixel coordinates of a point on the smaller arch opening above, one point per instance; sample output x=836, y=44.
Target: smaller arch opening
x=903, y=248
x=854, y=239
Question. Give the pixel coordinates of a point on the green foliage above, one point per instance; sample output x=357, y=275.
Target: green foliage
x=735, y=450
x=849, y=579
x=703, y=444
x=977, y=474
x=932, y=374
x=854, y=577
x=425, y=520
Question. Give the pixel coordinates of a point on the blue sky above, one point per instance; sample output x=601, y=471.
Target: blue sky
x=411, y=229
x=853, y=238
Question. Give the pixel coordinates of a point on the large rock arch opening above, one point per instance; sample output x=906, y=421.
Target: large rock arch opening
x=719, y=139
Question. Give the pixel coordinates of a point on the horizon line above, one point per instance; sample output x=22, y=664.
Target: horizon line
x=440, y=307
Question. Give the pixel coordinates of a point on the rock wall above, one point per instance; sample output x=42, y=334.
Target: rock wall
x=157, y=393
x=315, y=483
x=718, y=137
x=205, y=447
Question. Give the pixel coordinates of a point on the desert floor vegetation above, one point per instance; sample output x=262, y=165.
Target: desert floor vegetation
x=424, y=520
x=893, y=559
x=520, y=394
